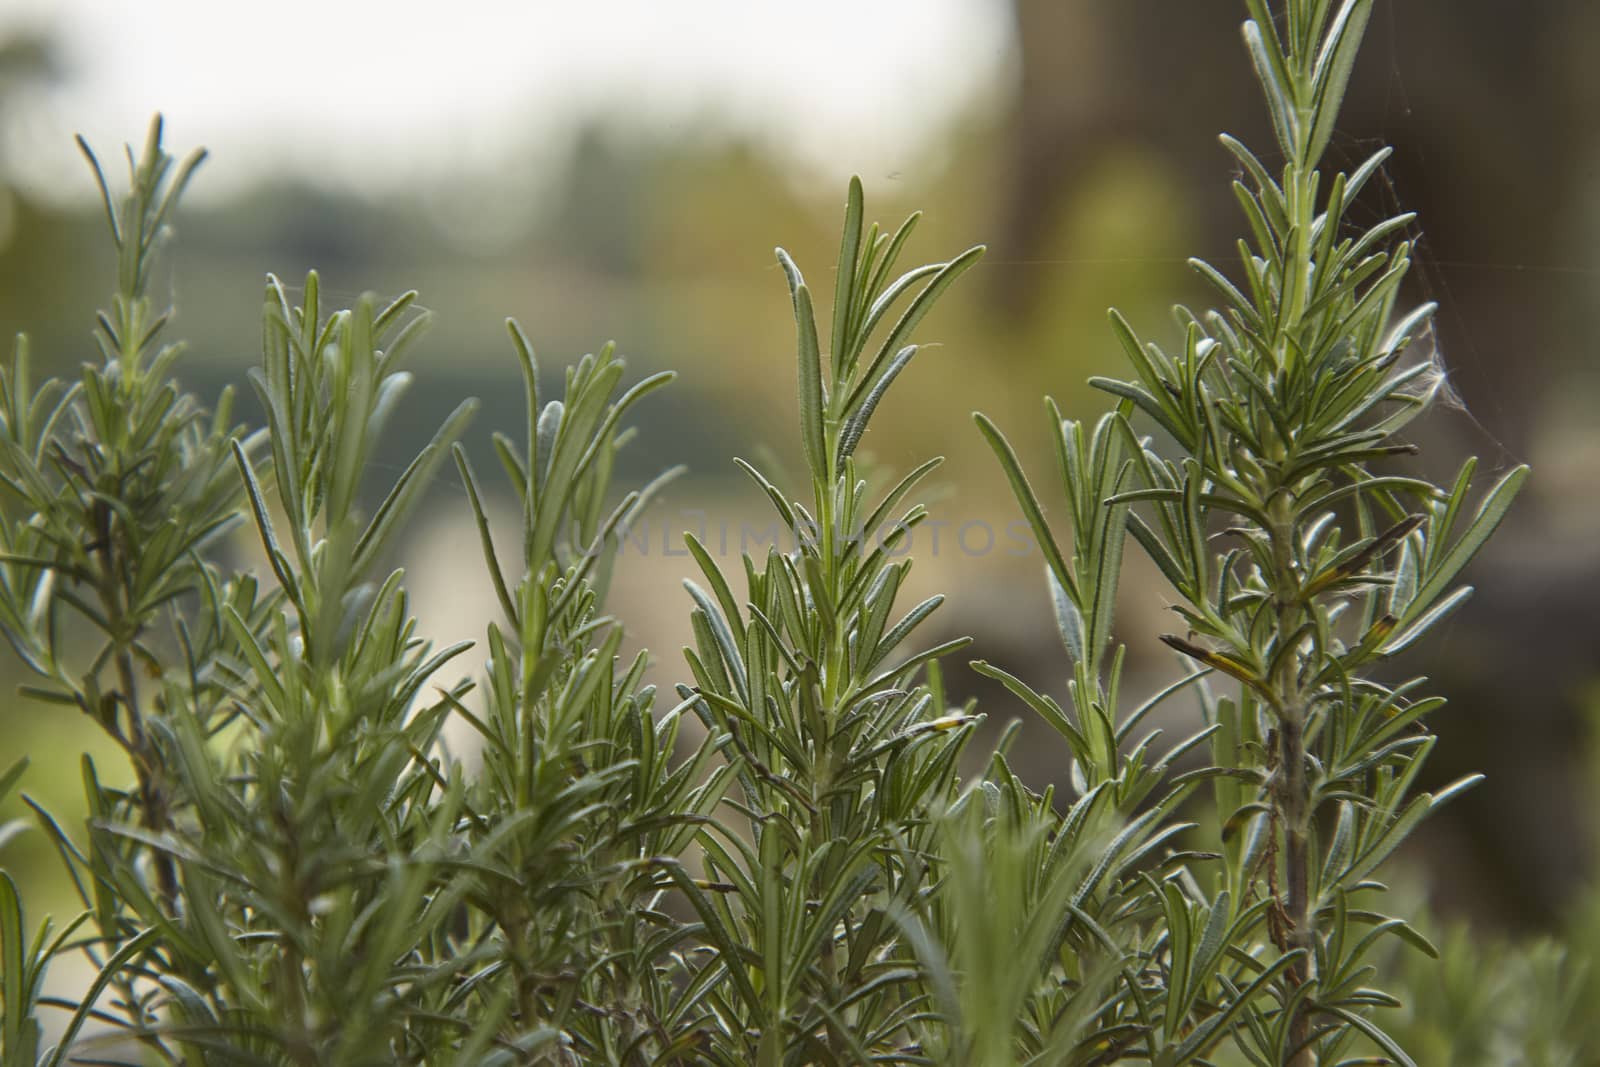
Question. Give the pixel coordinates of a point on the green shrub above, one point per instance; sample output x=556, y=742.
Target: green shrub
x=782, y=865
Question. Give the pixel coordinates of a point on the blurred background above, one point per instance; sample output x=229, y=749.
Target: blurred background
x=621, y=170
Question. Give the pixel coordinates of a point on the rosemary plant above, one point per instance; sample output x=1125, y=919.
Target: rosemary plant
x=841, y=752
x=1280, y=412
x=784, y=868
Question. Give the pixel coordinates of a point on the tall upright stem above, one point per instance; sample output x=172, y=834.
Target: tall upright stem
x=153, y=799
x=1290, y=787
x=1290, y=793
x=1291, y=805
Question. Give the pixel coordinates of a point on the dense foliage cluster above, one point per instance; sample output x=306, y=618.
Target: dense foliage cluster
x=781, y=865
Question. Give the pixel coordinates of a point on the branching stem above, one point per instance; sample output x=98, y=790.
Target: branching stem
x=153, y=797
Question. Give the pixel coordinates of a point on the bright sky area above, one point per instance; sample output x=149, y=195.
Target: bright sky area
x=393, y=93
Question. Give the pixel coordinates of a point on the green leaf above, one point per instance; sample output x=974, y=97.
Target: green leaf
x=496, y=574
x=110, y=971
x=1331, y=75
x=943, y=278
x=1046, y=708
x=1371, y=1030
x=1069, y=620
x=1488, y=518
x=856, y=421
x=1277, y=85
x=258, y=506
x=12, y=775
x=1426, y=621
x=1205, y=1036
x=402, y=497
x=845, y=283
x=725, y=644
x=1387, y=841
x=14, y=965
x=1029, y=503
x=813, y=402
